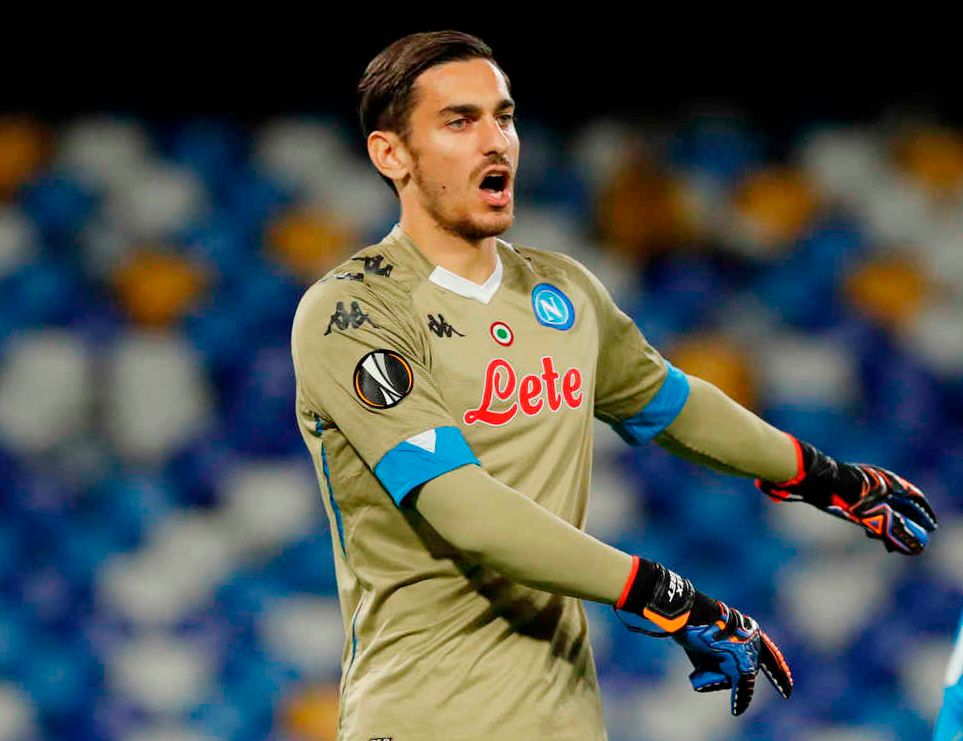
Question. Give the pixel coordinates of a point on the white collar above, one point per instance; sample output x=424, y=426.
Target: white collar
x=482, y=292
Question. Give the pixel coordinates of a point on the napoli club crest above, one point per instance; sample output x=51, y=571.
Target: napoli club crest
x=552, y=307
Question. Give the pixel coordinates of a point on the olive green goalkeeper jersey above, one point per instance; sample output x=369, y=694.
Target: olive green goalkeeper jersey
x=406, y=371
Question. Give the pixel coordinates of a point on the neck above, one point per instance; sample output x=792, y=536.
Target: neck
x=473, y=260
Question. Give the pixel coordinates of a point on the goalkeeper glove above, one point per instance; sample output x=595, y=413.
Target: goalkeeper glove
x=727, y=649
x=888, y=506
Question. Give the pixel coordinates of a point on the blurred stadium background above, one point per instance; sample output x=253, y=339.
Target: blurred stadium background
x=165, y=566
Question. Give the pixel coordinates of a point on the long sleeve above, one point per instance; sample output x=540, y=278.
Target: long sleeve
x=715, y=431
x=511, y=534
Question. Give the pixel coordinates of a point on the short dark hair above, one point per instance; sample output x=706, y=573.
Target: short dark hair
x=386, y=89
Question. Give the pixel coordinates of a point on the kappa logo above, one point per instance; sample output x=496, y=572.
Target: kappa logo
x=343, y=319
x=440, y=327
x=372, y=264
x=382, y=378
x=534, y=392
x=552, y=307
x=349, y=276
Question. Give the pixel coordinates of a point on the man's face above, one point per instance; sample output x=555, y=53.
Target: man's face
x=465, y=148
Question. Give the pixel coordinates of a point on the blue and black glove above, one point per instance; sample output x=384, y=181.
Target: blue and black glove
x=727, y=649
x=888, y=506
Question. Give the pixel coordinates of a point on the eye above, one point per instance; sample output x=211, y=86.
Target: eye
x=458, y=123
x=506, y=119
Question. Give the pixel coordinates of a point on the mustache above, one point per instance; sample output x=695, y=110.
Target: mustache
x=497, y=159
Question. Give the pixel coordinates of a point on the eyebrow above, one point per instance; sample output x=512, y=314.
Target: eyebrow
x=470, y=109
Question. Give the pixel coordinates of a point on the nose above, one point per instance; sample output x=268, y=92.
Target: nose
x=495, y=140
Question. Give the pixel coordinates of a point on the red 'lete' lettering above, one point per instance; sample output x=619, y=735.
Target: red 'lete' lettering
x=533, y=392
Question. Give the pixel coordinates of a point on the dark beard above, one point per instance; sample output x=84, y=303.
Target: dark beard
x=468, y=230
x=461, y=228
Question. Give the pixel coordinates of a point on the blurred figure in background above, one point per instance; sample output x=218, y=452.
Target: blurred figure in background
x=949, y=724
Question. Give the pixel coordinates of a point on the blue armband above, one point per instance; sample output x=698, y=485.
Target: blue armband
x=421, y=458
x=659, y=412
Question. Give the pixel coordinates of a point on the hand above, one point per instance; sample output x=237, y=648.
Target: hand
x=889, y=507
x=729, y=653
x=726, y=647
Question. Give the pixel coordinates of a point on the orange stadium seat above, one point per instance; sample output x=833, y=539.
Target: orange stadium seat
x=24, y=147
x=773, y=207
x=891, y=290
x=933, y=157
x=312, y=714
x=308, y=243
x=157, y=289
x=720, y=361
x=643, y=210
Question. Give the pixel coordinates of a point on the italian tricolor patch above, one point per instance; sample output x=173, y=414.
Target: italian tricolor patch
x=502, y=334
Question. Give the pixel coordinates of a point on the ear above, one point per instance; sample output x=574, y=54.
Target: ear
x=389, y=155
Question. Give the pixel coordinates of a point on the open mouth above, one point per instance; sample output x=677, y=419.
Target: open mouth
x=495, y=182
x=495, y=189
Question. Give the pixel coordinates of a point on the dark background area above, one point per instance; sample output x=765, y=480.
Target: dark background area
x=779, y=67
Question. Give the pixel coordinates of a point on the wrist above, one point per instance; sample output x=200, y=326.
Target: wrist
x=819, y=479
x=660, y=595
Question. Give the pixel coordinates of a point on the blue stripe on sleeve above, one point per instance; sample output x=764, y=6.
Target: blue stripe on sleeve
x=334, y=502
x=407, y=466
x=319, y=430
x=659, y=412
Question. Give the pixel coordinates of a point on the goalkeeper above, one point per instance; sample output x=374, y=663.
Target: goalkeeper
x=455, y=453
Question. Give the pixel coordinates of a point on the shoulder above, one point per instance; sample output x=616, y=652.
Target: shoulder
x=378, y=277
x=387, y=270
x=557, y=266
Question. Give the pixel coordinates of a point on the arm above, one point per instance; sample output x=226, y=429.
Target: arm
x=508, y=532
x=643, y=397
x=483, y=517
x=714, y=431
